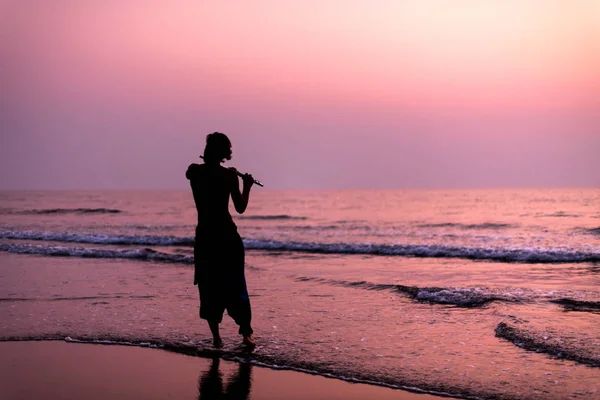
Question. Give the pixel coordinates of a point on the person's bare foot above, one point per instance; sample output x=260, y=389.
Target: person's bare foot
x=249, y=341
x=217, y=342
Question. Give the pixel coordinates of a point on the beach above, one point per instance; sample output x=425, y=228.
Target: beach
x=60, y=370
x=482, y=294
x=390, y=199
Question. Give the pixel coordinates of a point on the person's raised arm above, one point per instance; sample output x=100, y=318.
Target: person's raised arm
x=240, y=199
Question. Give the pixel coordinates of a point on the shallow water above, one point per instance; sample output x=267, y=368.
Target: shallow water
x=129, y=372
x=478, y=294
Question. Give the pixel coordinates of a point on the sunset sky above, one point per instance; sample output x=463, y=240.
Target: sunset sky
x=120, y=94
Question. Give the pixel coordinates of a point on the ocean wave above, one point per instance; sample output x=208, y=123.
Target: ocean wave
x=83, y=252
x=485, y=225
x=593, y=231
x=20, y=299
x=524, y=255
x=149, y=240
x=580, y=306
x=148, y=227
x=540, y=343
x=271, y=217
x=559, y=214
x=60, y=251
x=461, y=297
x=63, y=211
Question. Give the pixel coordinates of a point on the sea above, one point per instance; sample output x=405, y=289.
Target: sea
x=476, y=294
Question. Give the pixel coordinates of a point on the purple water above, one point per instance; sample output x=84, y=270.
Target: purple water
x=477, y=294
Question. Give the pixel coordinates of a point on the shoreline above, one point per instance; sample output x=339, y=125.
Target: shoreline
x=58, y=369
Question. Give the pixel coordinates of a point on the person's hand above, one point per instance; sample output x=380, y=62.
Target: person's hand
x=248, y=180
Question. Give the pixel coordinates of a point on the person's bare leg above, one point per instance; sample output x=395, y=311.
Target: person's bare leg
x=214, y=329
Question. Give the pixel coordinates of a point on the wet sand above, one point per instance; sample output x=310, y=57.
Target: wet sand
x=62, y=370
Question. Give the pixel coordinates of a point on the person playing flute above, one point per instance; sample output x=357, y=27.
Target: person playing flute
x=219, y=254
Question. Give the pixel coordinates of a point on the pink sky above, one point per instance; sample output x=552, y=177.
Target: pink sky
x=313, y=94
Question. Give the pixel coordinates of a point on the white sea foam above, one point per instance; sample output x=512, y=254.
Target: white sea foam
x=149, y=240
x=503, y=254
x=135, y=254
x=527, y=255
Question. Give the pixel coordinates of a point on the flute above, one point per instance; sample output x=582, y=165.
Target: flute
x=256, y=182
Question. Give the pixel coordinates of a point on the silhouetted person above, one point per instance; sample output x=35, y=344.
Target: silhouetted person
x=210, y=384
x=218, y=249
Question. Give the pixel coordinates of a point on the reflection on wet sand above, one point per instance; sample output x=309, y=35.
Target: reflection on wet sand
x=210, y=383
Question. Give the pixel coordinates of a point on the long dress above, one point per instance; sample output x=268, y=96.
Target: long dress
x=219, y=255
